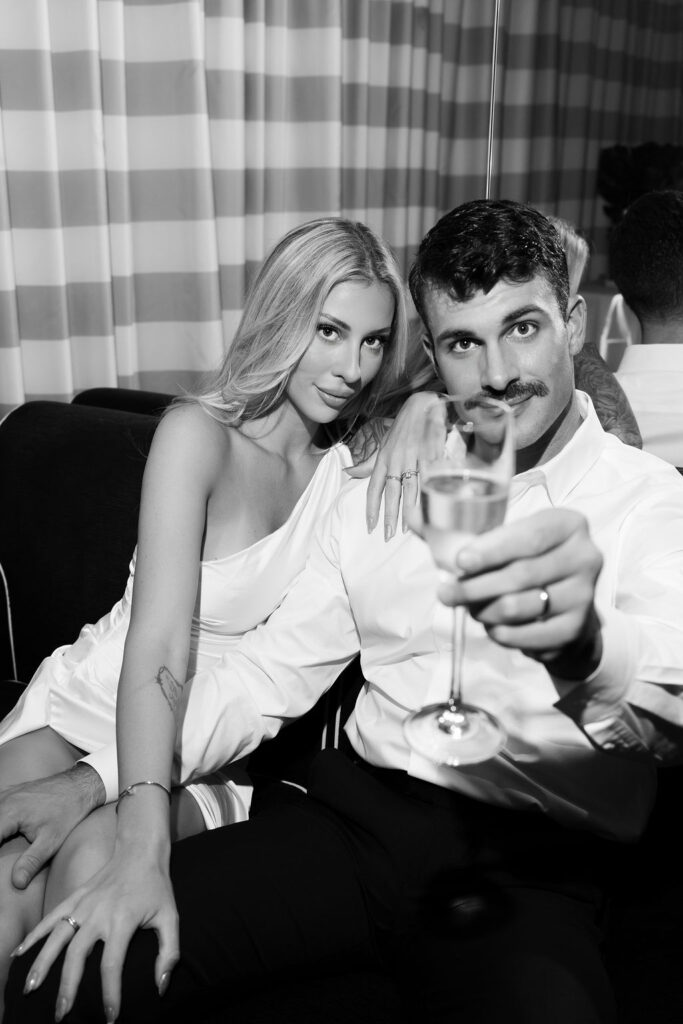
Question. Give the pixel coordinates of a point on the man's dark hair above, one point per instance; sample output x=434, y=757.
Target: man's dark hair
x=482, y=242
x=646, y=255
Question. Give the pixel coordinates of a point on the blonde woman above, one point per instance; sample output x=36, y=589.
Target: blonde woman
x=237, y=476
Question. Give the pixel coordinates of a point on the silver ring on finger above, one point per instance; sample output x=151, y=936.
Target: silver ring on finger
x=72, y=922
x=409, y=473
x=392, y=476
x=544, y=598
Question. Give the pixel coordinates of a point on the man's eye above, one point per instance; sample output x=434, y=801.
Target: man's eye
x=524, y=329
x=463, y=345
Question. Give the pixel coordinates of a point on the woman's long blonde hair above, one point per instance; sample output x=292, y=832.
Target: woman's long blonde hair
x=281, y=314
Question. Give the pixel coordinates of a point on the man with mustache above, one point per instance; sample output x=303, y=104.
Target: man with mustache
x=481, y=887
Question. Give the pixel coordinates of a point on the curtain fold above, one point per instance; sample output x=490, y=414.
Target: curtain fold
x=152, y=152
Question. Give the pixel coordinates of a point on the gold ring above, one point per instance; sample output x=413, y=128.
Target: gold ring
x=72, y=922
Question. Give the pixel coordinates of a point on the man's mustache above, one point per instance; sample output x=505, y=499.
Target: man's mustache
x=516, y=389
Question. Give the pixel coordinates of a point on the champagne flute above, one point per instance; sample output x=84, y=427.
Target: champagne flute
x=466, y=462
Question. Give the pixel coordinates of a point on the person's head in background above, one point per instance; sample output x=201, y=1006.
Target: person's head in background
x=646, y=264
x=575, y=249
x=282, y=319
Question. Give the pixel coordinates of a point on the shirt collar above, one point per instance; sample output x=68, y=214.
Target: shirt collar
x=565, y=470
x=652, y=358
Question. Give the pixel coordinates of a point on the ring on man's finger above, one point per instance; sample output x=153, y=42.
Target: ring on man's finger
x=72, y=922
x=544, y=597
x=409, y=473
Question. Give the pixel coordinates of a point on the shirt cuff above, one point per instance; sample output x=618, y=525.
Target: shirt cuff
x=105, y=764
x=599, y=704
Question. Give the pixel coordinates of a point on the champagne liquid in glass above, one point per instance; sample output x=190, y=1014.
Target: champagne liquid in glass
x=456, y=504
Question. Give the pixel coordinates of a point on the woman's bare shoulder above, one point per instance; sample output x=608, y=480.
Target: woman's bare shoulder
x=190, y=423
x=193, y=441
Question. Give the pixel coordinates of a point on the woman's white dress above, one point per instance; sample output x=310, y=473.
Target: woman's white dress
x=74, y=689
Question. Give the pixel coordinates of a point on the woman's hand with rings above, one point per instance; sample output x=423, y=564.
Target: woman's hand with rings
x=393, y=468
x=128, y=893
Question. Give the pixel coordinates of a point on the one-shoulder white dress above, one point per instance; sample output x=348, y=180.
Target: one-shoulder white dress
x=74, y=689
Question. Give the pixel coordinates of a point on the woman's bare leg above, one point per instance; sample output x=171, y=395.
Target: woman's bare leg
x=23, y=759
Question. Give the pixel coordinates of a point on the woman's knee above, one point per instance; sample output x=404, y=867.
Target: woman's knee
x=82, y=854
x=20, y=909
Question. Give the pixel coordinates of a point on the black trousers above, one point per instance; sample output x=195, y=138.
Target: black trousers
x=482, y=914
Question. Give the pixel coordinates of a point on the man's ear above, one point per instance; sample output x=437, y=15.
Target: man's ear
x=576, y=324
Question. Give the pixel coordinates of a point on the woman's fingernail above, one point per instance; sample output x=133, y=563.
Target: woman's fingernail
x=31, y=982
x=372, y=522
x=109, y=1014
x=62, y=1007
x=18, y=950
x=164, y=983
x=388, y=531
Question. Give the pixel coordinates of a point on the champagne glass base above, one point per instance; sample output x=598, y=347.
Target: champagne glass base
x=469, y=738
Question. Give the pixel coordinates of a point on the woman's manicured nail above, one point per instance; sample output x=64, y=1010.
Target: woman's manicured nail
x=388, y=531
x=31, y=983
x=62, y=1007
x=372, y=522
x=18, y=950
x=164, y=983
x=109, y=1014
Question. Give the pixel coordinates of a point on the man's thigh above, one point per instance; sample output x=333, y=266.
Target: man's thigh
x=540, y=962
x=269, y=900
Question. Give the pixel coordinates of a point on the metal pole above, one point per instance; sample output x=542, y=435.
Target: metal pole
x=492, y=101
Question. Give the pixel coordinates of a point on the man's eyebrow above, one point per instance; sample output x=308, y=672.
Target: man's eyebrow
x=519, y=314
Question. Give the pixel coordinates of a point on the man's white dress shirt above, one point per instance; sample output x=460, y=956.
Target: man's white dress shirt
x=652, y=379
x=582, y=752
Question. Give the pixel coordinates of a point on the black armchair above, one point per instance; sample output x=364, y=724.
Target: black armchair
x=71, y=477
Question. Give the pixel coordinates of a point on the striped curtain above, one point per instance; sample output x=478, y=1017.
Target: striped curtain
x=574, y=77
x=151, y=153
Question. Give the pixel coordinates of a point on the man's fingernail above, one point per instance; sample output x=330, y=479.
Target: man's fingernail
x=31, y=982
x=109, y=1014
x=468, y=560
x=388, y=531
x=62, y=1007
x=164, y=983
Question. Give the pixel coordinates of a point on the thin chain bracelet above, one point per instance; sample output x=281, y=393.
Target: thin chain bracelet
x=130, y=790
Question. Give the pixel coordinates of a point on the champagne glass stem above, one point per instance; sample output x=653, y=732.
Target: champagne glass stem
x=457, y=654
x=453, y=719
